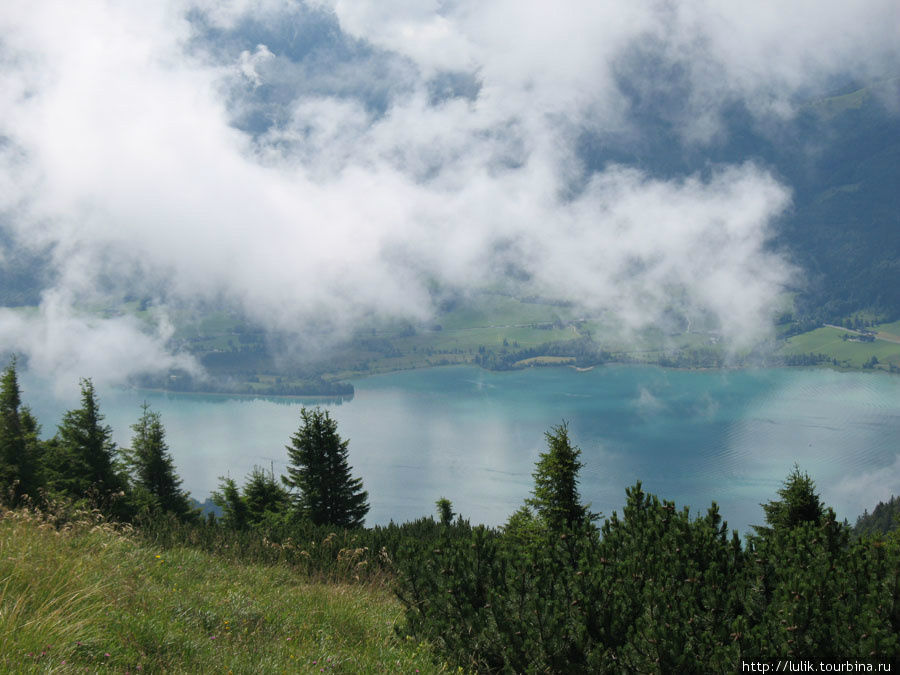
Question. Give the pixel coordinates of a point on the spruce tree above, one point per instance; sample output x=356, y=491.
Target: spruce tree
x=556, y=498
x=318, y=470
x=264, y=497
x=445, y=510
x=264, y=501
x=83, y=458
x=153, y=469
x=235, y=513
x=32, y=473
x=17, y=461
x=799, y=503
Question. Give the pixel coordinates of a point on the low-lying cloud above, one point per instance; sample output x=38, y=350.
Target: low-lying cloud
x=327, y=161
x=64, y=345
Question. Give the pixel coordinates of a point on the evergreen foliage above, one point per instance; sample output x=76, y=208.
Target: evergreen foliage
x=262, y=504
x=885, y=518
x=556, y=498
x=265, y=497
x=445, y=510
x=32, y=476
x=319, y=471
x=799, y=503
x=83, y=459
x=157, y=487
x=235, y=514
x=655, y=590
x=18, y=435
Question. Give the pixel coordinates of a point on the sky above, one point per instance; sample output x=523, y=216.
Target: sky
x=315, y=164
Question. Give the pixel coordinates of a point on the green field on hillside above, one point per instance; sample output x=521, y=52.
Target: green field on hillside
x=892, y=329
x=92, y=599
x=852, y=354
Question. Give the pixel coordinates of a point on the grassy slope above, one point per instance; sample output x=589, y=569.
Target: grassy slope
x=93, y=599
x=827, y=340
x=892, y=329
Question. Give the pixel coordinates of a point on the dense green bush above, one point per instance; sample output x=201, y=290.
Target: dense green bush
x=656, y=591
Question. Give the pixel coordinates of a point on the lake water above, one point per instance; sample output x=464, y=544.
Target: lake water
x=473, y=436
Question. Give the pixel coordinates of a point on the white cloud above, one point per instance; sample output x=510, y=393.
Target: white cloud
x=250, y=63
x=64, y=345
x=121, y=153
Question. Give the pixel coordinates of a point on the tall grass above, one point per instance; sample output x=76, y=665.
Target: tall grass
x=90, y=596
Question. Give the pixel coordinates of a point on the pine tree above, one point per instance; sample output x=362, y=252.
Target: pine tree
x=318, y=469
x=153, y=469
x=83, y=458
x=799, y=503
x=264, y=496
x=445, y=510
x=17, y=461
x=556, y=498
x=33, y=477
x=235, y=513
x=264, y=500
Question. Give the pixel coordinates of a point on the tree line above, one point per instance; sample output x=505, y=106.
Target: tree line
x=81, y=463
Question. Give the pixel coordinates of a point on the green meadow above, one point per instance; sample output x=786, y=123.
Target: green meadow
x=90, y=597
x=848, y=353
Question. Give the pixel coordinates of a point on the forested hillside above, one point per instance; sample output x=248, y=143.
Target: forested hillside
x=885, y=517
x=840, y=156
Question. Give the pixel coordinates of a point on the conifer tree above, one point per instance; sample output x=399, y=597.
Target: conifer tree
x=556, y=497
x=318, y=470
x=263, y=500
x=17, y=460
x=799, y=503
x=33, y=477
x=83, y=458
x=264, y=496
x=445, y=510
x=235, y=513
x=153, y=469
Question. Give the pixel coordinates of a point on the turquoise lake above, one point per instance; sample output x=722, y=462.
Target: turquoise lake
x=473, y=436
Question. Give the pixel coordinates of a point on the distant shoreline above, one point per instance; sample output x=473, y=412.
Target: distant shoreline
x=225, y=394
x=578, y=369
